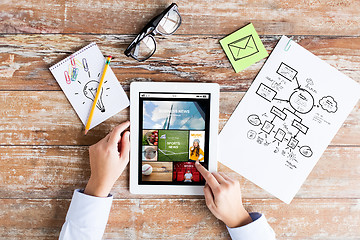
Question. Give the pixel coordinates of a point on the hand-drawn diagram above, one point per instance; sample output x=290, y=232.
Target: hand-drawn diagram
x=90, y=88
x=78, y=76
x=243, y=47
x=283, y=124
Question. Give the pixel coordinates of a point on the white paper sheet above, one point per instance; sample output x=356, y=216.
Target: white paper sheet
x=78, y=76
x=286, y=120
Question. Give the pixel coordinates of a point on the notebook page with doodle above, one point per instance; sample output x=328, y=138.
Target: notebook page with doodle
x=78, y=76
x=286, y=120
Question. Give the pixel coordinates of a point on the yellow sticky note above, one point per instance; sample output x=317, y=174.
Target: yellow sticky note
x=243, y=47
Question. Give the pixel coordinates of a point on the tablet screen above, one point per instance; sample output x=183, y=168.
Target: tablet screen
x=173, y=134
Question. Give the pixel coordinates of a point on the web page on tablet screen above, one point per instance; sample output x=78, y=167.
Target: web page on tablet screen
x=173, y=134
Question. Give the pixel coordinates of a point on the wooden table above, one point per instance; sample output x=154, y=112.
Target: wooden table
x=44, y=155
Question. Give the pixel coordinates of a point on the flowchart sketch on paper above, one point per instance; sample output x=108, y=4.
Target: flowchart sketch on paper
x=78, y=76
x=286, y=120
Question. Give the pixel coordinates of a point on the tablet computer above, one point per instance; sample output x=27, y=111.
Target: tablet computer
x=172, y=126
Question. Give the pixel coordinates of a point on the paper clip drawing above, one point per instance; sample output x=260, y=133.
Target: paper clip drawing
x=74, y=74
x=86, y=66
x=67, y=77
x=243, y=47
x=72, y=61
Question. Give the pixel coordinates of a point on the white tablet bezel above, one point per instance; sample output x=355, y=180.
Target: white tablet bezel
x=135, y=89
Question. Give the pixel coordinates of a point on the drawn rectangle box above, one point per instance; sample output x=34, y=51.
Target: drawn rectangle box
x=280, y=134
x=287, y=72
x=302, y=128
x=293, y=143
x=277, y=112
x=267, y=127
x=266, y=92
x=291, y=114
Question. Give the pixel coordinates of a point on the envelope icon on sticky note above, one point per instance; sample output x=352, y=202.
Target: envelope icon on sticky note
x=243, y=47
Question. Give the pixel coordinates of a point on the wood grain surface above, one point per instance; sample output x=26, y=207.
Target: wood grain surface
x=47, y=118
x=321, y=17
x=26, y=58
x=44, y=155
x=54, y=171
x=185, y=218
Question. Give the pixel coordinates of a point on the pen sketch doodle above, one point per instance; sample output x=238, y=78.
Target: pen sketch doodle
x=243, y=47
x=86, y=66
x=90, y=88
x=78, y=76
x=282, y=130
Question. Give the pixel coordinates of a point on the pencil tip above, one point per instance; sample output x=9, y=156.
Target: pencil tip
x=86, y=131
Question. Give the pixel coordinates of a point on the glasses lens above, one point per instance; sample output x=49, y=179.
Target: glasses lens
x=144, y=49
x=169, y=23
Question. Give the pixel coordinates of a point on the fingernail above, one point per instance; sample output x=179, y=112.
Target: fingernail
x=197, y=162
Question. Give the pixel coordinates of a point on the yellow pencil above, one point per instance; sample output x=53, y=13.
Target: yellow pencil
x=87, y=127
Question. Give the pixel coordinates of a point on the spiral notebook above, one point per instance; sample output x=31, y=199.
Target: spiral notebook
x=78, y=76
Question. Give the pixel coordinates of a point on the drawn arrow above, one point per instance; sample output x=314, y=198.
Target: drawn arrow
x=296, y=133
x=297, y=82
x=281, y=100
x=273, y=119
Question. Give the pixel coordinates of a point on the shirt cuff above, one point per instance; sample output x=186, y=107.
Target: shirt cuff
x=259, y=228
x=89, y=211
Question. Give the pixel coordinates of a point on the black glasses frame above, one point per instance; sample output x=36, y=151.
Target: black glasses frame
x=150, y=30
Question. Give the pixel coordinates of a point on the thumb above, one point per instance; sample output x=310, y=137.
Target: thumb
x=115, y=135
x=125, y=147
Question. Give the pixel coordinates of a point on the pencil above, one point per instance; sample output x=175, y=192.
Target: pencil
x=87, y=127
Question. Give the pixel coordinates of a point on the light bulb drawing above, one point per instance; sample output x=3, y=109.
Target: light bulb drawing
x=90, y=90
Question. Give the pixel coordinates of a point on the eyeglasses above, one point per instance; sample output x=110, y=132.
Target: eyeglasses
x=144, y=45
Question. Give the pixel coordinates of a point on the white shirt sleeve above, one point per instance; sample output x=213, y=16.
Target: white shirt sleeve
x=86, y=218
x=256, y=230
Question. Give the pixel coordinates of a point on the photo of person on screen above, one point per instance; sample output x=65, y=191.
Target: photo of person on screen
x=188, y=176
x=196, y=153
